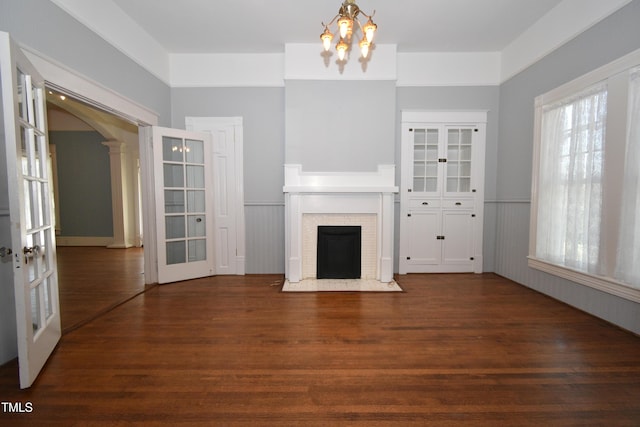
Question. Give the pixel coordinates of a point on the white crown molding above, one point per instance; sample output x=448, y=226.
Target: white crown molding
x=308, y=61
x=561, y=24
x=227, y=70
x=118, y=29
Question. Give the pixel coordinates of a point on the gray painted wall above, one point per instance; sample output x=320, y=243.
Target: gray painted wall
x=84, y=183
x=44, y=27
x=610, y=39
x=339, y=125
x=262, y=111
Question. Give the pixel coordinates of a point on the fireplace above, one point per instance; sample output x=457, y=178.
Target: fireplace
x=350, y=199
x=338, y=252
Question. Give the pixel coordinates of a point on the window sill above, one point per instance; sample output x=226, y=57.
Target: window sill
x=600, y=283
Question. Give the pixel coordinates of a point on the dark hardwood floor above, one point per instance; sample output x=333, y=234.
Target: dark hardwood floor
x=93, y=280
x=452, y=350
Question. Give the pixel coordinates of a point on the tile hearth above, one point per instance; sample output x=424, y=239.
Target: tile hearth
x=341, y=285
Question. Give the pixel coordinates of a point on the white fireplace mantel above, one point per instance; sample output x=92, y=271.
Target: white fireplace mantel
x=342, y=193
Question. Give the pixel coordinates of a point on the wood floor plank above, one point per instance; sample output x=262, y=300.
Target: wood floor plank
x=451, y=350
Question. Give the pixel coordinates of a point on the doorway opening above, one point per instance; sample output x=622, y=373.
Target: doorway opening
x=95, y=166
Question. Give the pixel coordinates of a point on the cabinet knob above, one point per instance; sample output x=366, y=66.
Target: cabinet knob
x=458, y=204
x=425, y=203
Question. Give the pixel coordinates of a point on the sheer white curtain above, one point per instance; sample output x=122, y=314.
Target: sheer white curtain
x=628, y=267
x=570, y=180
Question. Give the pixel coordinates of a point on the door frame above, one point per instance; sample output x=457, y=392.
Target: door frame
x=67, y=81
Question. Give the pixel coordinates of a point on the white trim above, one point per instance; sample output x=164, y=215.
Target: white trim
x=84, y=241
x=597, y=282
x=561, y=24
x=444, y=116
x=122, y=32
x=381, y=181
x=308, y=61
x=89, y=91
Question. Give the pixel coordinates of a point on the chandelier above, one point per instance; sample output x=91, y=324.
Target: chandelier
x=346, y=18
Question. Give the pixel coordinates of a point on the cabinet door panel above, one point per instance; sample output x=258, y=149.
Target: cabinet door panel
x=425, y=150
x=424, y=248
x=457, y=245
x=459, y=149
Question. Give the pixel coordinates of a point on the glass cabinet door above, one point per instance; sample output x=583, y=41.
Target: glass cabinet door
x=425, y=160
x=458, y=165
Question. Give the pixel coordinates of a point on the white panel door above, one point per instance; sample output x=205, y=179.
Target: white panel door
x=226, y=133
x=457, y=245
x=29, y=201
x=184, y=204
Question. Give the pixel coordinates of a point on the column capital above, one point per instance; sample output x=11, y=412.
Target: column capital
x=114, y=145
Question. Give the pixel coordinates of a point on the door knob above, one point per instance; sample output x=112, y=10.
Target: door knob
x=32, y=250
x=5, y=252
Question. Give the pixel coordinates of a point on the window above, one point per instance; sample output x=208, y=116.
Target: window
x=586, y=183
x=570, y=180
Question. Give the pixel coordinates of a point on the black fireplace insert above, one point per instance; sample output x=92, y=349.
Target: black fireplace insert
x=339, y=252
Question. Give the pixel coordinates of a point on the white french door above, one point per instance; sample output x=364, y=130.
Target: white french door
x=184, y=204
x=29, y=199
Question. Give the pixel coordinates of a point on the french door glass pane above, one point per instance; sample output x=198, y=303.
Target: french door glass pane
x=172, y=149
x=175, y=228
x=197, y=250
x=195, y=201
x=36, y=318
x=196, y=226
x=48, y=299
x=195, y=151
x=22, y=95
x=173, y=201
x=195, y=176
x=173, y=175
x=176, y=252
x=23, y=149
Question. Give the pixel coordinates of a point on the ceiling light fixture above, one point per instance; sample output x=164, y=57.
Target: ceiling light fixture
x=346, y=18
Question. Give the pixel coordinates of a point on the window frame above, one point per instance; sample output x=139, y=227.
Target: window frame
x=616, y=74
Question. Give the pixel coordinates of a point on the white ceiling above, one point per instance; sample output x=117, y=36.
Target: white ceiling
x=261, y=26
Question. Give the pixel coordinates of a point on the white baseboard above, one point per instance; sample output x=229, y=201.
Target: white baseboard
x=83, y=241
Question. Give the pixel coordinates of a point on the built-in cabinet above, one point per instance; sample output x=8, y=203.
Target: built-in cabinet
x=442, y=191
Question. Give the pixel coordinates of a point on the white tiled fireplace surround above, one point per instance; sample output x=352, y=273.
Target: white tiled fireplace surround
x=339, y=198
